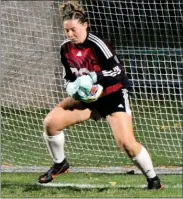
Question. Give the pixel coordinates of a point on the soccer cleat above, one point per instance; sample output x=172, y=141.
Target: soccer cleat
x=55, y=170
x=154, y=183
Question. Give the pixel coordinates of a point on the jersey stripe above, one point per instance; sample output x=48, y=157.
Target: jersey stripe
x=101, y=45
x=126, y=100
x=116, y=71
x=107, y=55
x=110, y=73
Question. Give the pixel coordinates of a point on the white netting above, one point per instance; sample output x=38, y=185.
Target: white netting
x=147, y=36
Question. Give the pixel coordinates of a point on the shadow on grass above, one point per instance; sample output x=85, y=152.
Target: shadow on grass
x=36, y=187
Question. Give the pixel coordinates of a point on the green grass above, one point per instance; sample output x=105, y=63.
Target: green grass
x=91, y=144
x=21, y=185
x=157, y=126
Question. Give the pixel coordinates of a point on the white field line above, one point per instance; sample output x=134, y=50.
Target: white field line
x=115, y=170
x=101, y=186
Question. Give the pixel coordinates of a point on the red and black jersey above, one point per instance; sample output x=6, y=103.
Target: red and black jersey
x=93, y=55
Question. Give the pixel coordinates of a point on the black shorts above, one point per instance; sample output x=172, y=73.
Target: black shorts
x=115, y=102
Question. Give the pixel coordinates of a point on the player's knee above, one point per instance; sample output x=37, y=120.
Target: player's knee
x=122, y=145
x=128, y=146
x=49, y=126
x=128, y=149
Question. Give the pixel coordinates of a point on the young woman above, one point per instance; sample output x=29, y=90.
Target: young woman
x=89, y=61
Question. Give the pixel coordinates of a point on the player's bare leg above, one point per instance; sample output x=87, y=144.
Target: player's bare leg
x=122, y=128
x=66, y=113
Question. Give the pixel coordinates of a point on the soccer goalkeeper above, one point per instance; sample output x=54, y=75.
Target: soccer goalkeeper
x=97, y=87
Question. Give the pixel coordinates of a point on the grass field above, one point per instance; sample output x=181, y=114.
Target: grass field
x=91, y=144
x=16, y=185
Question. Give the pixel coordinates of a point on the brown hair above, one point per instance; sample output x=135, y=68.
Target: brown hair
x=72, y=10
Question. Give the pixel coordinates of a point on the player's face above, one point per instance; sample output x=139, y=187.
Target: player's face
x=75, y=31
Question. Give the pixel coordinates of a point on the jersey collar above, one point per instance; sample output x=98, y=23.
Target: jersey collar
x=84, y=44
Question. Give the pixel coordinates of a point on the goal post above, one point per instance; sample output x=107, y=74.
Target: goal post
x=147, y=36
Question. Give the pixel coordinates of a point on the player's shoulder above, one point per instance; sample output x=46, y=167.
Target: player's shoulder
x=95, y=37
x=64, y=44
x=101, y=42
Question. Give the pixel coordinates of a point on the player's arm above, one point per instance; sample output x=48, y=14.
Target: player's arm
x=112, y=70
x=112, y=73
x=67, y=73
x=71, y=84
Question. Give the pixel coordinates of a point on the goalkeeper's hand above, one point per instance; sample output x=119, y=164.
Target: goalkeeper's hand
x=72, y=87
x=89, y=96
x=83, y=82
x=82, y=88
x=88, y=92
x=87, y=81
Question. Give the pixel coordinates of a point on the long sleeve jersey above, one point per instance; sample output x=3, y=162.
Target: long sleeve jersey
x=93, y=55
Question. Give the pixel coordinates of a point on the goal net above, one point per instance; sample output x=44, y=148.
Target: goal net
x=147, y=36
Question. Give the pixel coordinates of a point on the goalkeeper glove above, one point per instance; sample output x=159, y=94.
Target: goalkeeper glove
x=91, y=77
x=84, y=83
x=72, y=87
x=89, y=96
x=82, y=88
